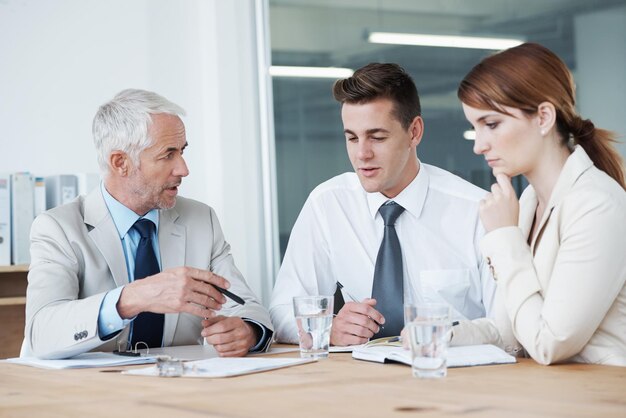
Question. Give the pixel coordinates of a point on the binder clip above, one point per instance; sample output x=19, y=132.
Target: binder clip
x=169, y=367
x=131, y=352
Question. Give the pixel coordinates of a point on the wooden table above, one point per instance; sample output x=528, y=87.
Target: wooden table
x=336, y=387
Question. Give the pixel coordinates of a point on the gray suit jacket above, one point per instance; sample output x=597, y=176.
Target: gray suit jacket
x=77, y=257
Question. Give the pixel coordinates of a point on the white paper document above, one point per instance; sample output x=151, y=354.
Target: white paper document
x=226, y=367
x=182, y=352
x=344, y=349
x=93, y=359
x=199, y=352
x=470, y=355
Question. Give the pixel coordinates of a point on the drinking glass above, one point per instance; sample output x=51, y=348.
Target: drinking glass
x=429, y=329
x=314, y=317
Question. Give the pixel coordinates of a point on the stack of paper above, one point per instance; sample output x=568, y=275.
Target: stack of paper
x=92, y=359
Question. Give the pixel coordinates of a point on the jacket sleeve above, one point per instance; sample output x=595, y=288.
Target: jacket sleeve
x=223, y=264
x=555, y=323
x=495, y=328
x=58, y=324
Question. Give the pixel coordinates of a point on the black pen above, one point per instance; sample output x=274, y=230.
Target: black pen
x=230, y=295
x=340, y=286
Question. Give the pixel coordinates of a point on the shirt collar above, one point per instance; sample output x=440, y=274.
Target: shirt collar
x=411, y=198
x=123, y=217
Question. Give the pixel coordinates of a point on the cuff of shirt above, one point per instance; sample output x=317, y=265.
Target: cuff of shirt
x=266, y=336
x=109, y=320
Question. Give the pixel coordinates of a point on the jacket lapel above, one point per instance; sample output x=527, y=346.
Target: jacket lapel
x=105, y=236
x=172, y=238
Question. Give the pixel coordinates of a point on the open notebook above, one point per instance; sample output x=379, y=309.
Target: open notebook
x=462, y=356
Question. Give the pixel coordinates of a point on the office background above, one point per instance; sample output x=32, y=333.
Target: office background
x=259, y=145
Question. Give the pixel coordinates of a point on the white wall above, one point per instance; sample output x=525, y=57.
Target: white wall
x=60, y=60
x=600, y=39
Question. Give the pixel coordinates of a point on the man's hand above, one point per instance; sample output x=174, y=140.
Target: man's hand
x=182, y=289
x=404, y=336
x=231, y=336
x=356, y=323
x=499, y=208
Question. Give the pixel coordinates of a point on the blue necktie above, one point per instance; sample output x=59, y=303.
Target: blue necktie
x=148, y=326
x=388, y=286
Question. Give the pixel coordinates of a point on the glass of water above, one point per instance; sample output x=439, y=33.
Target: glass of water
x=429, y=329
x=314, y=317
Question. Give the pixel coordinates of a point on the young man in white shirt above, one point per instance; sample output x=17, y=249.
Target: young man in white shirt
x=340, y=238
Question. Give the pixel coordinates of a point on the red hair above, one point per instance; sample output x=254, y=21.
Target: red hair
x=527, y=75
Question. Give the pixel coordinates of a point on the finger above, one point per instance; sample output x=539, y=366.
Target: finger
x=241, y=335
x=209, y=277
x=197, y=310
x=204, y=301
x=219, y=339
x=359, y=331
x=404, y=335
x=505, y=184
x=230, y=346
x=205, y=289
x=349, y=339
x=362, y=321
x=223, y=326
x=495, y=189
x=345, y=326
x=210, y=321
x=342, y=338
x=364, y=309
x=369, y=301
x=235, y=353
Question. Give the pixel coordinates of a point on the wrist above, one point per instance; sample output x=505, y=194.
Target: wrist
x=128, y=305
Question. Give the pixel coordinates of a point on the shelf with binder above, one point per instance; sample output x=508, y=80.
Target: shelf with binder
x=13, y=281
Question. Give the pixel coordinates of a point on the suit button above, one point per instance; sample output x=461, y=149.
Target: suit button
x=85, y=333
x=76, y=337
x=489, y=260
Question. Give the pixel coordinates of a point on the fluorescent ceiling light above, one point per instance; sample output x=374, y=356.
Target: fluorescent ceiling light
x=470, y=134
x=310, y=72
x=442, y=40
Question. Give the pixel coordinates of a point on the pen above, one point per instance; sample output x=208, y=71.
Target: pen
x=230, y=295
x=340, y=286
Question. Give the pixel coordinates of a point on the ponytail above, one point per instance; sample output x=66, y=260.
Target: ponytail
x=598, y=144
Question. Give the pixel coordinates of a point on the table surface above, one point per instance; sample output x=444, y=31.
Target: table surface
x=337, y=386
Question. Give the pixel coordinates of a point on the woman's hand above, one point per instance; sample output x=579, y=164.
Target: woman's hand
x=499, y=208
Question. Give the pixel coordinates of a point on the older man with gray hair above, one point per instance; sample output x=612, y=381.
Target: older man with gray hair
x=131, y=265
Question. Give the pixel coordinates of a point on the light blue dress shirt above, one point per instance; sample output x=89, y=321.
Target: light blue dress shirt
x=109, y=320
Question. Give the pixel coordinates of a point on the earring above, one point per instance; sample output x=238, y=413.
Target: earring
x=543, y=132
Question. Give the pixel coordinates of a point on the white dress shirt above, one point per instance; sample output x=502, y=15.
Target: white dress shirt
x=338, y=233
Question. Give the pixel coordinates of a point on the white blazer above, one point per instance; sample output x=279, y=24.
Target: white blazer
x=77, y=256
x=565, y=293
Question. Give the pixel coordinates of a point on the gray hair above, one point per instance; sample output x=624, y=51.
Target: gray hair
x=122, y=123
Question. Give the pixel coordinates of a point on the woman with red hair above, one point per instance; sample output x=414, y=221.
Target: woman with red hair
x=559, y=253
